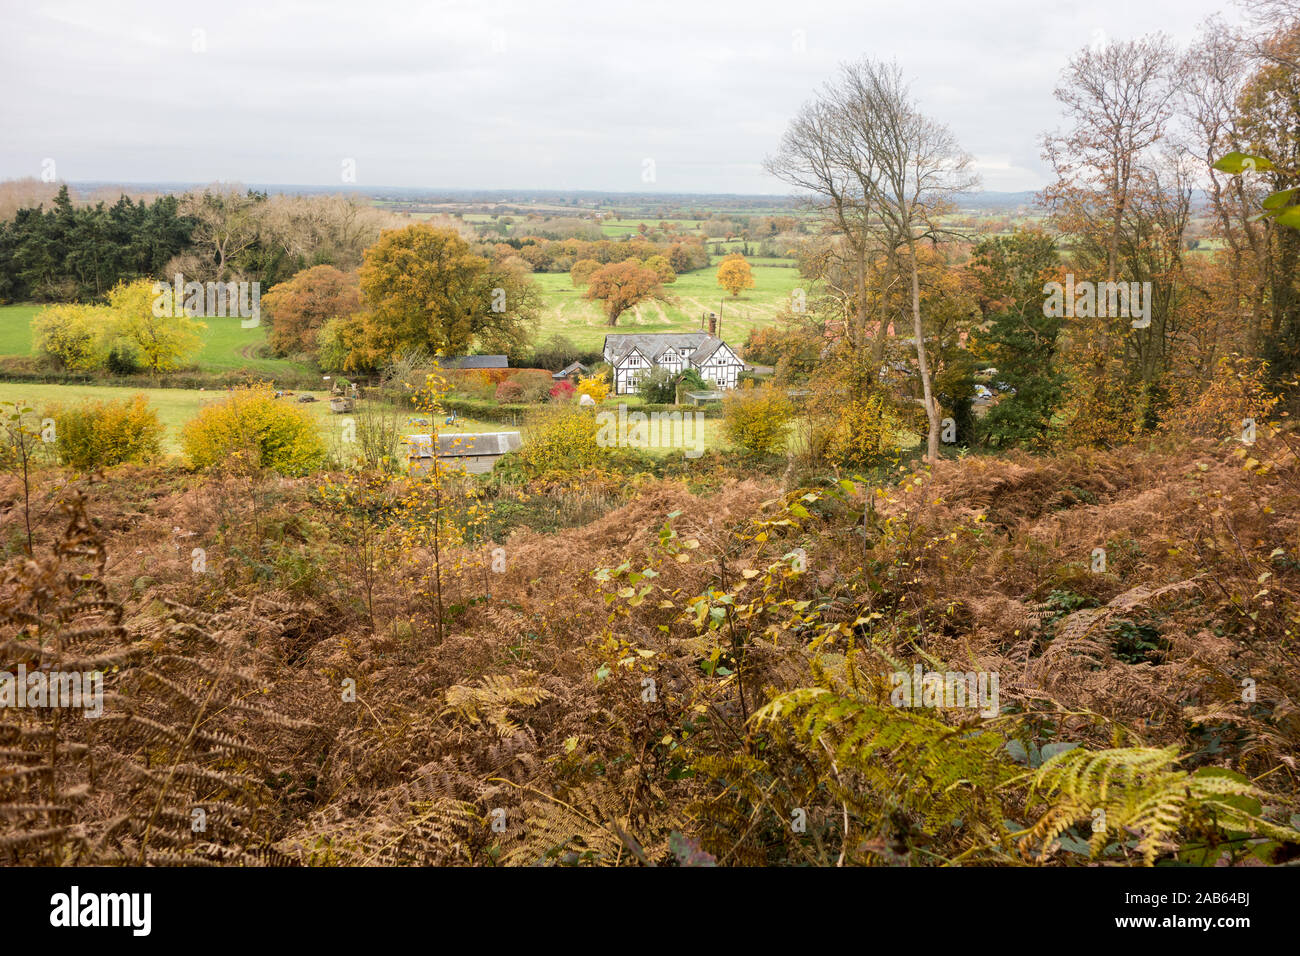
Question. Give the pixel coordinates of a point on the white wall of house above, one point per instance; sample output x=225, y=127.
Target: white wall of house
x=633, y=368
x=722, y=368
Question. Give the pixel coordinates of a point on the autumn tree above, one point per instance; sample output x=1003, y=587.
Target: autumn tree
x=623, y=285
x=163, y=339
x=1214, y=73
x=297, y=309
x=663, y=268
x=226, y=223
x=881, y=173
x=1269, y=115
x=817, y=157
x=679, y=258
x=323, y=230
x=735, y=275
x=423, y=287
x=582, y=271
x=914, y=169
x=1123, y=192
x=1118, y=101
x=1275, y=38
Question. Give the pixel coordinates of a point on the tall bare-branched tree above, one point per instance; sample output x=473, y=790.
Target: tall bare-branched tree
x=1118, y=99
x=884, y=172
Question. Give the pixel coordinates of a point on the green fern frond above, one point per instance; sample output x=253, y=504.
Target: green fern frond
x=1139, y=793
x=886, y=761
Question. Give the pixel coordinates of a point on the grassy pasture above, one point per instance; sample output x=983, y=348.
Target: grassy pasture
x=16, y=329
x=227, y=346
x=176, y=406
x=694, y=293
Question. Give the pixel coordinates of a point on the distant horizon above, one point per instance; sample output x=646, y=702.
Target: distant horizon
x=456, y=190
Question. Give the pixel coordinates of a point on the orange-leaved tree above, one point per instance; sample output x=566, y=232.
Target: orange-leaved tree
x=298, y=307
x=622, y=285
x=734, y=274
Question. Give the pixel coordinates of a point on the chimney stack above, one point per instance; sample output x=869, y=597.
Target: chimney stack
x=713, y=323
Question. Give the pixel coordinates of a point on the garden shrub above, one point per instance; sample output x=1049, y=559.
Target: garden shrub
x=99, y=434
x=509, y=391
x=860, y=432
x=690, y=381
x=122, y=361
x=534, y=384
x=560, y=438
x=755, y=419
x=251, y=428
x=596, y=386
x=659, y=387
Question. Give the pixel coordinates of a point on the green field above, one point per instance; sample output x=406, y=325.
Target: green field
x=227, y=346
x=16, y=329
x=694, y=293
x=176, y=406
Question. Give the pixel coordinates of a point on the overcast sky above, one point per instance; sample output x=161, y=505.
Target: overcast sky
x=483, y=94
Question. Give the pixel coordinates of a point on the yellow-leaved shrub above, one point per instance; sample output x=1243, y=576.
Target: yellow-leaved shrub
x=252, y=429
x=70, y=335
x=595, y=386
x=98, y=434
x=560, y=438
x=755, y=419
x=862, y=431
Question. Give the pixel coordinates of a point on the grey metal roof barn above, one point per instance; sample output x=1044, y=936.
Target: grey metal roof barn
x=472, y=444
x=474, y=452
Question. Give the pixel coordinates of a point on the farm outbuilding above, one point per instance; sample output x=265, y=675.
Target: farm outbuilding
x=571, y=372
x=472, y=452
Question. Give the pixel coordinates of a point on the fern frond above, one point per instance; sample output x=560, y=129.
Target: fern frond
x=493, y=698
x=1139, y=793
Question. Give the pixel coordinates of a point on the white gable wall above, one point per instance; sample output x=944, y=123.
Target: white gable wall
x=721, y=368
x=630, y=371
